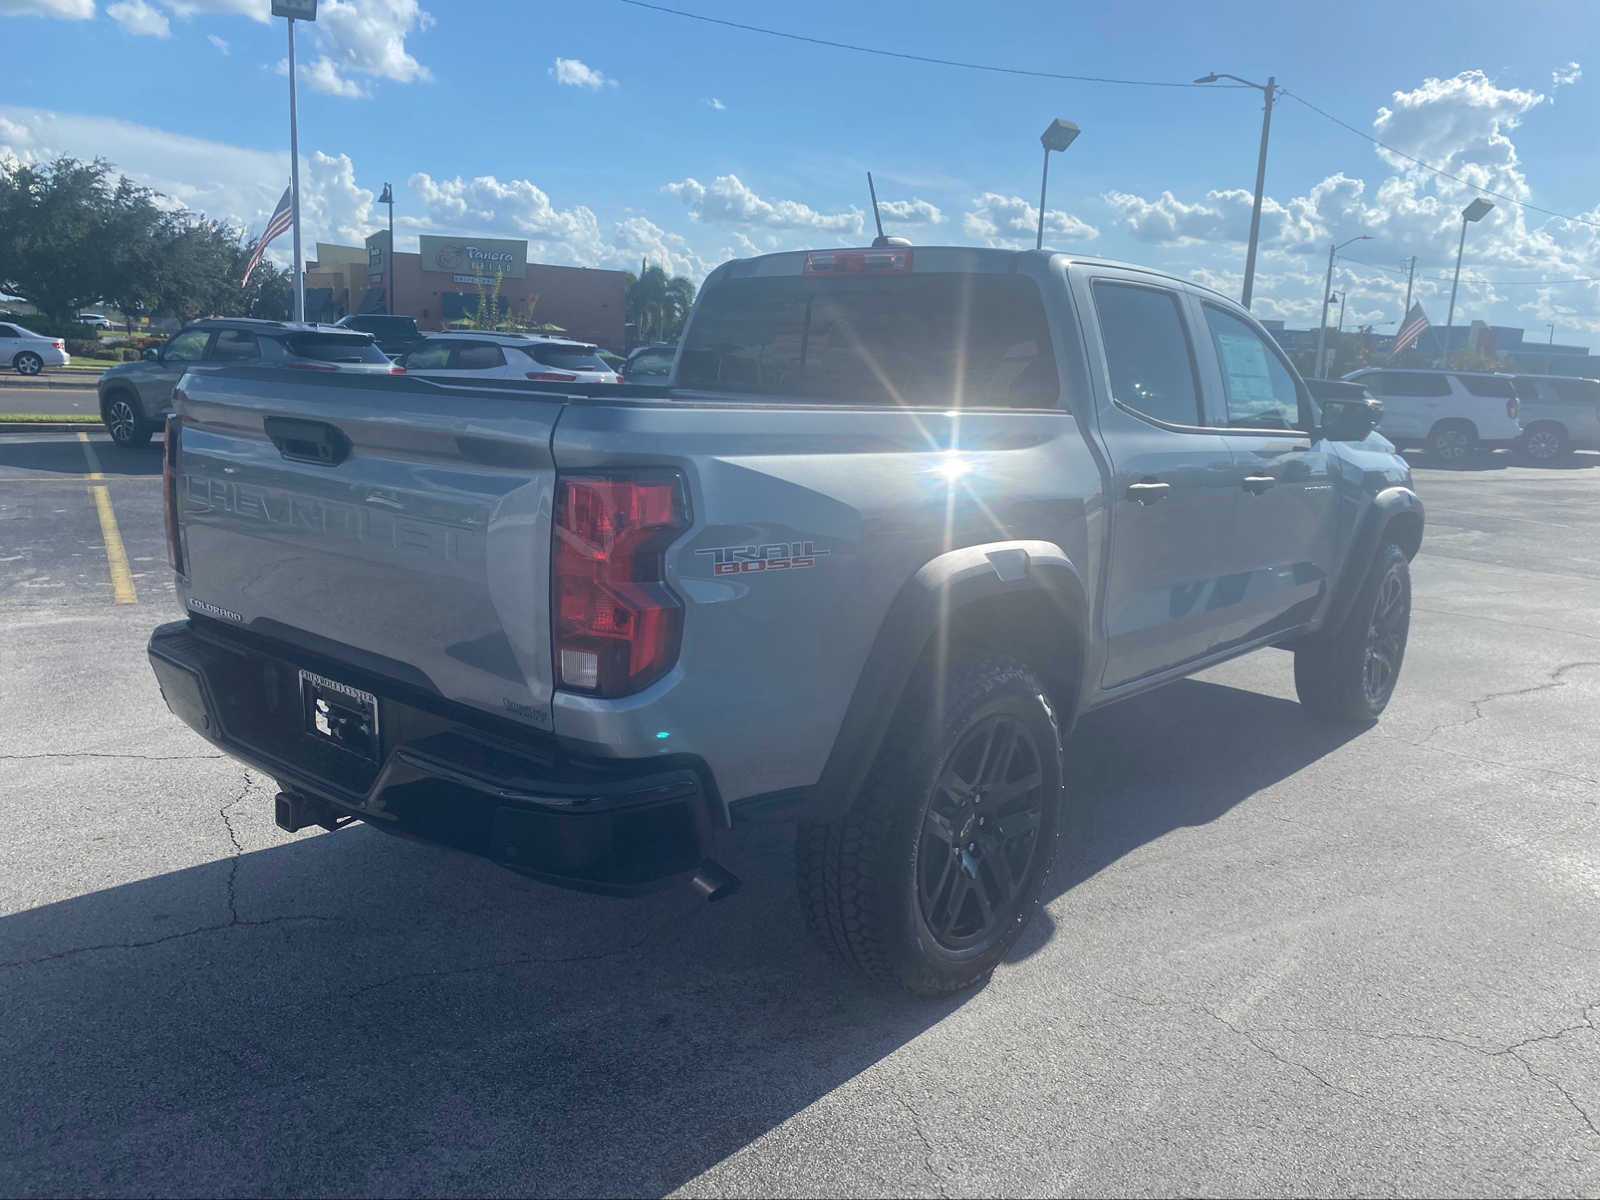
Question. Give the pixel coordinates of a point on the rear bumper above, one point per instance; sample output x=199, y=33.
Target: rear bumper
x=442, y=773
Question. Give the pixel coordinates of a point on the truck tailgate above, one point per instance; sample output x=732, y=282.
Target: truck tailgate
x=393, y=523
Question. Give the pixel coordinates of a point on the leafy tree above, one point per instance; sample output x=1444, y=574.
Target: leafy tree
x=658, y=305
x=73, y=233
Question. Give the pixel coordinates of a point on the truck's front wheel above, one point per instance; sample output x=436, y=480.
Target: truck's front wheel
x=1350, y=674
x=930, y=877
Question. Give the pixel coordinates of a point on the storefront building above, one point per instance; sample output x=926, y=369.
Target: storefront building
x=445, y=280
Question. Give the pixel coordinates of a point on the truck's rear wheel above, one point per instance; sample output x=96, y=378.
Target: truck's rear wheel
x=931, y=876
x=1350, y=675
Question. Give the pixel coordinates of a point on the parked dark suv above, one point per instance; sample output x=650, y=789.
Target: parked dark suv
x=396, y=335
x=135, y=397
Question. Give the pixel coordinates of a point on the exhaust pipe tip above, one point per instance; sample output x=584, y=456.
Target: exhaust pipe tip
x=714, y=881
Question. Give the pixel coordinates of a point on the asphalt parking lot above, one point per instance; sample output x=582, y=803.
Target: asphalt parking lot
x=1280, y=958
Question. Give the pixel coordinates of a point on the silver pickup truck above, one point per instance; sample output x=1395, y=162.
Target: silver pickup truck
x=899, y=517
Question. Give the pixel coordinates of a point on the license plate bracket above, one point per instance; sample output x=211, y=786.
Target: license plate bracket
x=339, y=715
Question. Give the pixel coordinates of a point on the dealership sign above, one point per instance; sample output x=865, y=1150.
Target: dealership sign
x=487, y=257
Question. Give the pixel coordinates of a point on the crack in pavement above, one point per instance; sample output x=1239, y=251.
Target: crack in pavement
x=1488, y=762
x=1477, y=704
x=1246, y=1035
x=1511, y=1051
x=234, y=921
x=922, y=1136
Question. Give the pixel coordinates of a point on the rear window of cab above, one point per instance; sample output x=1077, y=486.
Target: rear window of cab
x=937, y=339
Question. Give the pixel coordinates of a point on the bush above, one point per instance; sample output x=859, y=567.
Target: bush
x=129, y=354
x=82, y=349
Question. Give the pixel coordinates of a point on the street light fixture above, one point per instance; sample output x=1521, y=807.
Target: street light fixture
x=1058, y=136
x=1327, y=297
x=1472, y=212
x=1269, y=90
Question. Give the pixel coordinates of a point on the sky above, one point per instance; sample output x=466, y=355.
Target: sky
x=606, y=133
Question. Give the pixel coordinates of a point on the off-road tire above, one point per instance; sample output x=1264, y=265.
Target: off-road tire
x=1334, y=673
x=861, y=877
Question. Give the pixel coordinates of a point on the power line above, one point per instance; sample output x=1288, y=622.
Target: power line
x=922, y=58
x=1361, y=133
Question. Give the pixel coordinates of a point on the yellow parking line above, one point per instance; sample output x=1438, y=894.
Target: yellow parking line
x=88, y=452
x=116, y=556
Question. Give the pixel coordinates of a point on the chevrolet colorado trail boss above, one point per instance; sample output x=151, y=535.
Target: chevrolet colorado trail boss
x=898, y=518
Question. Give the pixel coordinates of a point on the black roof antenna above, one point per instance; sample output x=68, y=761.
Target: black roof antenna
x=881, y=242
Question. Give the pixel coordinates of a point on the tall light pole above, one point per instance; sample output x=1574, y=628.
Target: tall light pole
x=1059, y=136
x=388, y=254
x=1472, y=212
x=1327, y=297
x=1269, y=90
x=295, y=10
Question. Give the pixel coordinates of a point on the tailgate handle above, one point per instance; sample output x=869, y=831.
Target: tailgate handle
x=308, y=441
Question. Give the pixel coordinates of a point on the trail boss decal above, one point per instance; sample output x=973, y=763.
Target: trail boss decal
x=774, y=556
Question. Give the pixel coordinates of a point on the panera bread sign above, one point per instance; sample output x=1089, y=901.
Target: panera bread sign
x=475, y=256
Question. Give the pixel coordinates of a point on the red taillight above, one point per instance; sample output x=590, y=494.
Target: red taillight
x=615, y=623
x=1513, y=406
x=59, y=344
x=551, y=377
x=858, y=262
x=397, y=370
x=169, y=489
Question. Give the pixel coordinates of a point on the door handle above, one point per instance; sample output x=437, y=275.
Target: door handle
x=1148, y=492
x=1256, y=484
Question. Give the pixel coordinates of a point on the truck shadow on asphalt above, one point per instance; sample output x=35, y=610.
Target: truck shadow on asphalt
x=65, y=456
x=351, y=1013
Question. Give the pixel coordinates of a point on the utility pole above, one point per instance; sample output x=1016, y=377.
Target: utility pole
x=1268, y=90
x=1410, y=272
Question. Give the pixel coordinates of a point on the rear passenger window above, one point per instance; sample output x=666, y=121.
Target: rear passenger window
x=477, y=356
x=1488, y=385
x=1260, y=391
x=235, y=345
x=1411, y=383
x=1147, y=352
x=1578, y=391
x=430, y=356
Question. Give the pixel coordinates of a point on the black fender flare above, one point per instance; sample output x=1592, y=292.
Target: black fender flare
x=933, y=598
x=1391, y=505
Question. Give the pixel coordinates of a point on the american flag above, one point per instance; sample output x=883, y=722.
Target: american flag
x=276, y=224
x=1413, y=327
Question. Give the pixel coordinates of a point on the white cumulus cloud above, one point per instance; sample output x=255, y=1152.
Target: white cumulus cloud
x=570, y=72
x=1566, y=76
x=1010, y=221
x=221, y=44
x=916, y=212
x=139, y=18
x=727, y=201
x=67, y=10
x=716, y=105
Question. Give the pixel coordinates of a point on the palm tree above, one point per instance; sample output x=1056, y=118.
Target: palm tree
x=659, y=305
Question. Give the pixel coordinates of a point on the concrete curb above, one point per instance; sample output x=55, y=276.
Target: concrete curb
x=48, y=426
x=46, y=381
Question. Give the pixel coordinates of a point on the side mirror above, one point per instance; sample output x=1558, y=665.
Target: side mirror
x=151, y=354
x=1350, y=420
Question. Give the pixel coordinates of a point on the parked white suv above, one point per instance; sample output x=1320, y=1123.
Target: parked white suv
x=28, y=353
x=1452, y=413
x=483, y=354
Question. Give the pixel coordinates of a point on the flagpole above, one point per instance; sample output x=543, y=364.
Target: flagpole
x=294, y=184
